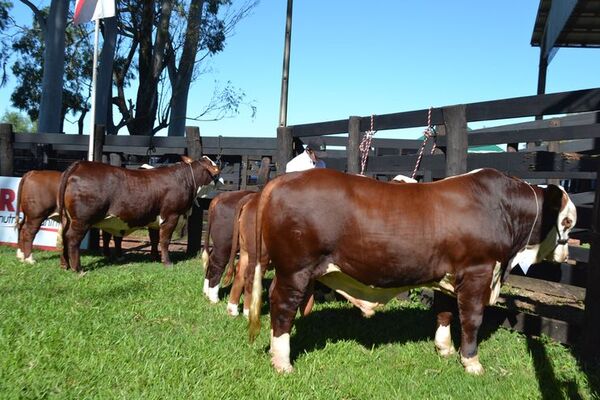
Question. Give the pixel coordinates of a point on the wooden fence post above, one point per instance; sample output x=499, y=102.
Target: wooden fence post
x=194, y=223
x=591, y=331
x=193, y=143
x=263, y=172
x=7, y=138
x=284, y=148
x=455, y=121
x=98, y=142
x=352, y=149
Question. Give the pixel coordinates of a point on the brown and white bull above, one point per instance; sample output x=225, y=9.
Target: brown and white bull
x=36, y=199
x=219, y=228
x=121, y=200
x=370, y=240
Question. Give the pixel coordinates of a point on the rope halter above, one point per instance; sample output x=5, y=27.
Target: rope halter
x=429, y=132
x=365, y=146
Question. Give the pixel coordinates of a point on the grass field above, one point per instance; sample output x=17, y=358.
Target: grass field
x=137, y=330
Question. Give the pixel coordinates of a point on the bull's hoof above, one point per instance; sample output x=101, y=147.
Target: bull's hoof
x=232, y=310
x=246, y=313
x=446, y=352
x=20, y=255
x=282, y=367
x=30, y=260
x=472, y=365
x=168, y=264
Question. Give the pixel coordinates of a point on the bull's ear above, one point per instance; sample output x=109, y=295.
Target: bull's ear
x=554, y=197
x=186, y=159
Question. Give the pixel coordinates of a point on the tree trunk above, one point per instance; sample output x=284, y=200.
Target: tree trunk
x=104, y=84
x=50, y=116
x=183, y=78
x=151, y=65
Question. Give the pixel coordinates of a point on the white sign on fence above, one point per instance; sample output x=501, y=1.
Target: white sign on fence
x=46, y=237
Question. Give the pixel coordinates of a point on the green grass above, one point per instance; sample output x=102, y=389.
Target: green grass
x=138, y=330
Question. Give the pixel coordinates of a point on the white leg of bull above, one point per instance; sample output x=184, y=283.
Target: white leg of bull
x=443, y=341
x=20, y=255
x=232, y=309
x=246, y=312
x=213, y=294
x=472, y=365
x=30, y=260
x=280, y=353
x=205, y=288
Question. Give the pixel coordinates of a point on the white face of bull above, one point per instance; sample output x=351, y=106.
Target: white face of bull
x=554, y=247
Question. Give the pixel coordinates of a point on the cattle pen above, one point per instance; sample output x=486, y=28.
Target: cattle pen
x=562, y=148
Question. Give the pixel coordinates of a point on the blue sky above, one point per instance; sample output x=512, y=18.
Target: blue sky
x=354, y=57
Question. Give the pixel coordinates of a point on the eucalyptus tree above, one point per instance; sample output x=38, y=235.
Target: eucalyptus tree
x=171, y=40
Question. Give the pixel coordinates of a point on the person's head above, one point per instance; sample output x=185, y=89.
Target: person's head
x=315, y=148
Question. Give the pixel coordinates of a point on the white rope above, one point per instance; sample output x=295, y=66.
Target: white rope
x=537, y=207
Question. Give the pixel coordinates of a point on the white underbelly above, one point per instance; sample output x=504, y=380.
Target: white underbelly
x=368, y=297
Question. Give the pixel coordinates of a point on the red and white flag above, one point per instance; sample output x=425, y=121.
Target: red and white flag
x=91, y=10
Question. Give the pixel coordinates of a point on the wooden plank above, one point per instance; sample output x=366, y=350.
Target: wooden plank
x=554, y=289
x=582, y=198
x=530, y=135
x=548, y=104
x=591, y=341
x=193, y=143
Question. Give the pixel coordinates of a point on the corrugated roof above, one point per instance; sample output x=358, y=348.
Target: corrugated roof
x=581, y=30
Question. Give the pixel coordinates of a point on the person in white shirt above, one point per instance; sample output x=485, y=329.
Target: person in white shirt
x=309, y=158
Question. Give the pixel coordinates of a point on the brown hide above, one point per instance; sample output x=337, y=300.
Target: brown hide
x=220, y=228
x=36, y=198
x=90, y=191
x=391, y=236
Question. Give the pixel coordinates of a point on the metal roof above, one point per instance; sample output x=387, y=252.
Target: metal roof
x=582, y=29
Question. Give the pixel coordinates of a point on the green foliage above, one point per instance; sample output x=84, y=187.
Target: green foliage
x=139, y=330
x=20, y=122
x=28, y=65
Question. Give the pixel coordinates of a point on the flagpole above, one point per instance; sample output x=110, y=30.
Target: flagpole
x=93, y=112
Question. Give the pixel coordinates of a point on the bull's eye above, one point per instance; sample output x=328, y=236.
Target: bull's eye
x=567, y=222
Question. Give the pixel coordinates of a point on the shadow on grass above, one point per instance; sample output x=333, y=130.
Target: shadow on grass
x=128, y=258
x=317, y=329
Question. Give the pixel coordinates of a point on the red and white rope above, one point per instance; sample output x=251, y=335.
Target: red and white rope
x=428, y=133
x=365, y=146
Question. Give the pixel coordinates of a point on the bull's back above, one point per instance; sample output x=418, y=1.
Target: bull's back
x=38, y=195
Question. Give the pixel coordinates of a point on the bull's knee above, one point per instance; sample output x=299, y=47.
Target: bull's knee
x=472, y=365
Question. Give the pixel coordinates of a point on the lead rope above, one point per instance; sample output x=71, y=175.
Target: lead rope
x=365, y=146
x=195, y=187
x=429, y=132
x=537, y=207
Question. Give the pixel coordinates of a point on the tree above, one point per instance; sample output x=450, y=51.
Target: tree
x=20, y=122
x=5, y=21
x=181, y=41
x=28, y=70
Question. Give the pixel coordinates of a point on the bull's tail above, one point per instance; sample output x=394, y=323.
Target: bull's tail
x=256, y=299
x=60, y=201
x=235, y=241
x=18, y=221
x=205, y=254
